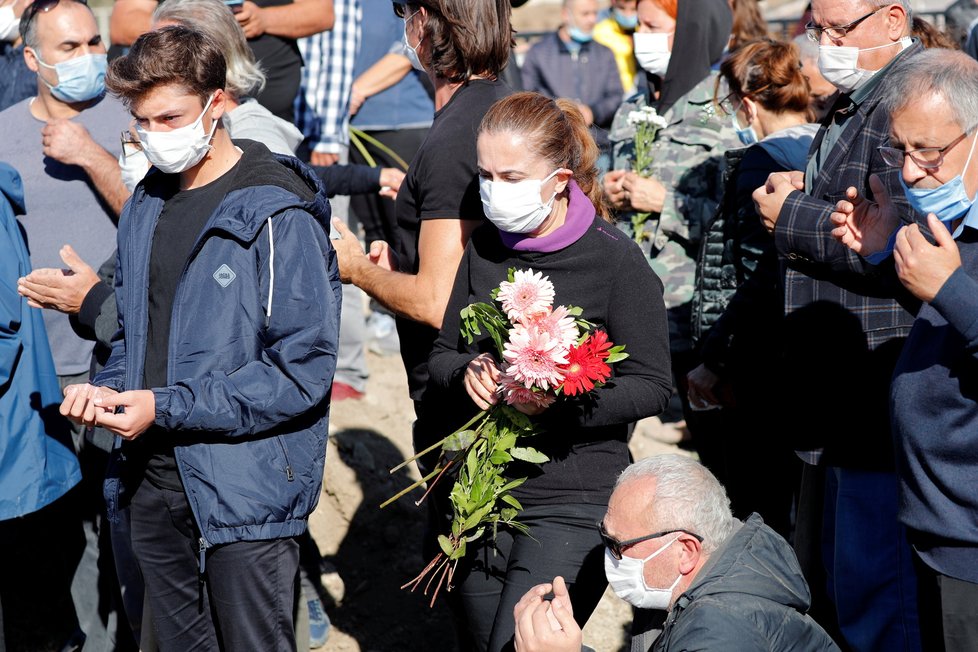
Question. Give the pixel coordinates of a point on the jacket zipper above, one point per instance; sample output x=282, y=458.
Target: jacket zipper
x=288, y=465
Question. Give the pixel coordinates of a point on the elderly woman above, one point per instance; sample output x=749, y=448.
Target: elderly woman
x=667, y=205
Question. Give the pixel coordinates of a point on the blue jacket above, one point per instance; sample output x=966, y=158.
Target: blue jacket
x=252, y=348
x=589, y=76
x=934, y=408
x=37, y=461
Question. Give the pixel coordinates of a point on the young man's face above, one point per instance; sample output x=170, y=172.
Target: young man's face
x=172, y=106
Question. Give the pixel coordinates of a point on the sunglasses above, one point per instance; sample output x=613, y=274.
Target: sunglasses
x=38, y=7
x=618, y=547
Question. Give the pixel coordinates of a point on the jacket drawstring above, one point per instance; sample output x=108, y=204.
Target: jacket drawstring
x=271, y=272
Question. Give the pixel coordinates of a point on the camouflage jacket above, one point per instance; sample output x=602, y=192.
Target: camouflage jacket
x=688, y=162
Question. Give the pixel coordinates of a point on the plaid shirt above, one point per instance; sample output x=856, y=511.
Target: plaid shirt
x=322, y=107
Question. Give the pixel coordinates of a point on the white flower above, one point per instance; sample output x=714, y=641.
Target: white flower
x=646, y=115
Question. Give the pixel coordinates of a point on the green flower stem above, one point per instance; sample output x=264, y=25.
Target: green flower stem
x=411, y=488
x=437, y=444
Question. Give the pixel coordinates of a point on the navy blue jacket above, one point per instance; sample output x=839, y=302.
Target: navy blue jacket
x=37, y=460
x=934, y=407
x=252, y=348
x=589, y=76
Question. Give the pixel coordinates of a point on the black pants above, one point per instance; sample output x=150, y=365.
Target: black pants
x=377, y=214
x=948, y=611
x=246, y=600
x=563, y=541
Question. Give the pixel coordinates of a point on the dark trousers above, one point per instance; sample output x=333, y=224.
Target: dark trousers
x=246, y=600
x=563, y=540
x=377, y=214
x=948, y=611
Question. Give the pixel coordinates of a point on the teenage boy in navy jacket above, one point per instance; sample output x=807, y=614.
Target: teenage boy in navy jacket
x=218, y=382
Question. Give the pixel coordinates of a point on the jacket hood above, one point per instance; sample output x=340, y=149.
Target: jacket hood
x=755, y=561
x=789, y=147
x=286, y=183
x=12, y=188
x=702, y=33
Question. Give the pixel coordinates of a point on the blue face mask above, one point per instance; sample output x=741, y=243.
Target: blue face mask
x=625, y=22
x=948, y=201
x=79, y=79
x=747, y=135
x=578, y=35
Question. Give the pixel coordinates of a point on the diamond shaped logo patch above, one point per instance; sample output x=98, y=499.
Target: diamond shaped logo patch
x=224, y=276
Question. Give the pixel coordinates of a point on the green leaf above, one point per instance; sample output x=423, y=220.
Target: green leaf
x=500, y=457
x=509, y=500
x=460, y=440
x=509, y=486
x=574, y=311
x=446, y=545
x=459, y=552
x=616, y=357
x=529, y=455
x=507, y=514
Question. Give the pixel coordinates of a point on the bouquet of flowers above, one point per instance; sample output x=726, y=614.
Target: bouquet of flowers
x=647, y=123
x=546, y=353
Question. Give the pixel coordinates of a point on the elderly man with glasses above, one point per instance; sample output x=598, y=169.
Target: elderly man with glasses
x=933, y=105
x=848, y=501
x=672, y=544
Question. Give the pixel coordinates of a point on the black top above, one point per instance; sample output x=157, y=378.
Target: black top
x=281, y=60
x=442, y=183
x=180, y=225
x=606, y=275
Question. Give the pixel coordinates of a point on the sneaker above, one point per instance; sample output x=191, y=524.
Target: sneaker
x=318, y=624
x=382, y=334
x=342, y=391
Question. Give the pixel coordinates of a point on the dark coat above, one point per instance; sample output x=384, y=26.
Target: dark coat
x=251, y=386
x=750, y=596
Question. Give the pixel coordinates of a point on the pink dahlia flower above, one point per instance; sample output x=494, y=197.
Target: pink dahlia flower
x=514, y=392
x=529, y=294
x=558, y=325
x=534, y=357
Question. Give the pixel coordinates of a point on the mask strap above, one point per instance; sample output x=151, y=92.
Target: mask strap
x=660, y=550
x=878, y=47
x=974, y=139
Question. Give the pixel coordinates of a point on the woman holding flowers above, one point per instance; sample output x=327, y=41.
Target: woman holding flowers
x=667, y=186
x=550, y=247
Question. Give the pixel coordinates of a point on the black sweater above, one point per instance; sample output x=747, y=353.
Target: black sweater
x=606, y=275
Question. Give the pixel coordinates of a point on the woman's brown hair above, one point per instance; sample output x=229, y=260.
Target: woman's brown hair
x=466, y=38
x=748, y=24
x=769, y=72
x=555, y=130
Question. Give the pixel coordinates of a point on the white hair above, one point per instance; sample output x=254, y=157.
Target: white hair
x=687, y=496
x=214, y=20
x=950, y=75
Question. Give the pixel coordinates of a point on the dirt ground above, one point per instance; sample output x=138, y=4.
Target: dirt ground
x=369, y=553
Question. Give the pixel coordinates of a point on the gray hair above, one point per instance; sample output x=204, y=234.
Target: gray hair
x=686, y=496
x=950, y=75
x=879, y=4
x=807, y=48
x=28, y=30
x=215, y=21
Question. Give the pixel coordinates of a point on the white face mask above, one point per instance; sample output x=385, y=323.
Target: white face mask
x=627, y=579
x=837, y=64
x=9, y=24
x=652, y=52
x=134, y=167
x=412, y=52
x=516, y=207
x=179, y=149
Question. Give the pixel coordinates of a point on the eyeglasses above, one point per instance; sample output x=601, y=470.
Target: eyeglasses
x=38, y=7
x=836, y=32
x=618, y=547
x=731, y=102
x=926, y=158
